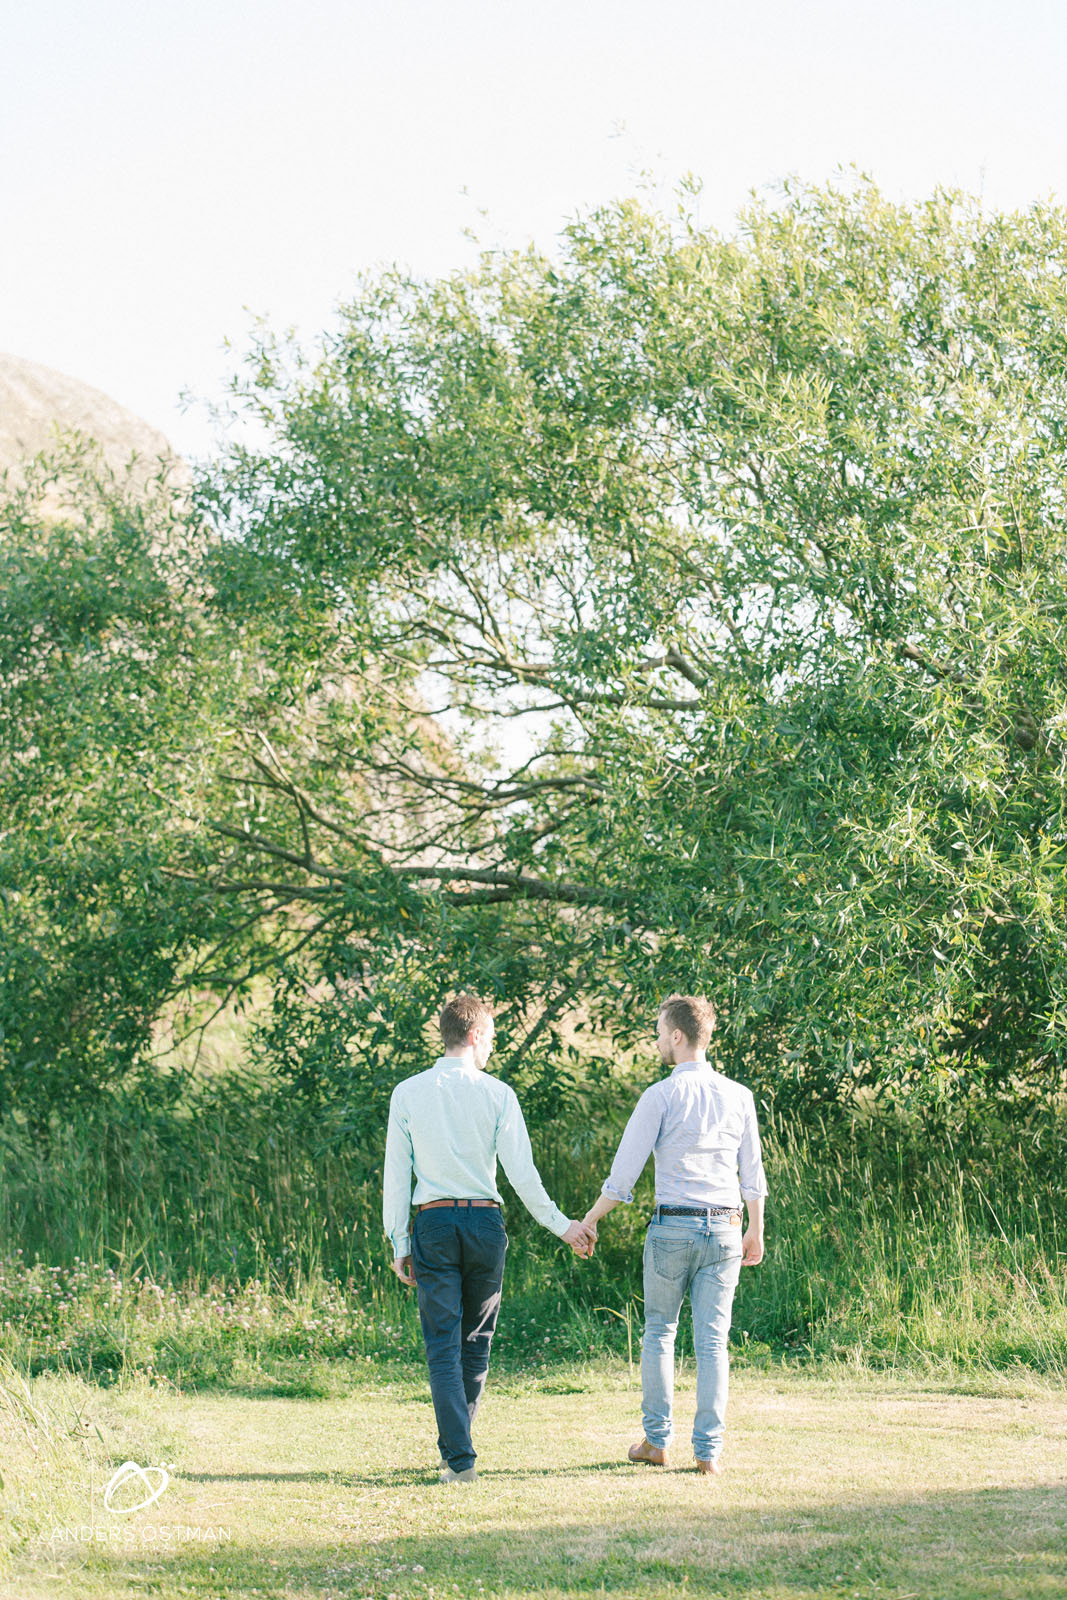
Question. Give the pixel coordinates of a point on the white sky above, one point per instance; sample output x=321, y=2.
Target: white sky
x=168, y=163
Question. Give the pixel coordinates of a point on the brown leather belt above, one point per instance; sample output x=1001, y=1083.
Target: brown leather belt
x=431, y=1203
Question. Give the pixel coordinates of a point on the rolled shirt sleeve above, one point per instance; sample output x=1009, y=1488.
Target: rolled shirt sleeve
x=516, y=1157
x=396, y=1184
x=750, y=1156
x=635, y=1146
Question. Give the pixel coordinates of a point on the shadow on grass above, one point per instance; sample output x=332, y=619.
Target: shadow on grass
x=991, y=1544
x=399, y=1477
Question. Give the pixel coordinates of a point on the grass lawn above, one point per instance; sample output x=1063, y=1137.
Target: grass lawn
x=836, y=1484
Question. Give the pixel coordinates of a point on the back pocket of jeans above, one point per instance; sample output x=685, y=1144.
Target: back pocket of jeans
x=670, y=1258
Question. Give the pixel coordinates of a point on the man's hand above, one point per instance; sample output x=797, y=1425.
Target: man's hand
x=600, y=1208
x=404, y=1270
x=580, y=1238
x=752, y=1248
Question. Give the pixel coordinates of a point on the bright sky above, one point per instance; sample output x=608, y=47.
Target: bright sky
x=167, y=165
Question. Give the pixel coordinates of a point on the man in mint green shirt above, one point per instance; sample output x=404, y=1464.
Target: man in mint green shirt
x=447, y=1127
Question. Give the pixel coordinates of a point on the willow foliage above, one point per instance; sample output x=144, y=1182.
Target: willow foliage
x=671, y=611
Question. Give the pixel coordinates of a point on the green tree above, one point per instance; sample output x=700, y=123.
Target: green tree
x=122, y=700
x=760, y=542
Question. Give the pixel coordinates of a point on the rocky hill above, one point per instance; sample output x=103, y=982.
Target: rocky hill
x=36, y=401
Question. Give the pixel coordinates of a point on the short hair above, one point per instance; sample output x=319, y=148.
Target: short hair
x=694, y=1015
x=459, y=1016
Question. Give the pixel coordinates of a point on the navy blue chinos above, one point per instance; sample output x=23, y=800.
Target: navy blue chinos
x=457, y=1254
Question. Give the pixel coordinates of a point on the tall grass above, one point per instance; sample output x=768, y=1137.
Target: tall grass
x=891, y=1246
x=238, y=1241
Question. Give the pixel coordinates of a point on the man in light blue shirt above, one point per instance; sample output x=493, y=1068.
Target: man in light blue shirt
x=447, y=1126
x=701, y=1128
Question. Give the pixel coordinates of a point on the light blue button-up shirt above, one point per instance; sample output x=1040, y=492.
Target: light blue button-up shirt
x=702, y=1127
x=448, y=1126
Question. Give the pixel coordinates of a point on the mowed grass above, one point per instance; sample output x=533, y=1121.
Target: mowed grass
x=837, y=1484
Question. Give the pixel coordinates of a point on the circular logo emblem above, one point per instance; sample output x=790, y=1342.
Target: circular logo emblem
x=128, y=1470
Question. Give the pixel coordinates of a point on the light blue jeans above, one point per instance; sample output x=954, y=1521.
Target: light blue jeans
x=703, y=1255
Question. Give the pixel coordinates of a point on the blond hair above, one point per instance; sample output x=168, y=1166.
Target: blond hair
x=694, y=1015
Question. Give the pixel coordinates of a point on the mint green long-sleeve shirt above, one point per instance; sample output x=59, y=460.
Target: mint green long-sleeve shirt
x=447, y=1126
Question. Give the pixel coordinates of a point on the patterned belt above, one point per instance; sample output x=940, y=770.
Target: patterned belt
x=698, y=1211
x=431, y=1203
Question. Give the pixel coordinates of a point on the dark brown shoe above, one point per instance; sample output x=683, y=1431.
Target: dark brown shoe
x=648, y=1453
x=710, y=1469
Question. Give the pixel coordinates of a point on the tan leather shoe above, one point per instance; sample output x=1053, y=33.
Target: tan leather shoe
x=648, y=1453
x=710, y=1469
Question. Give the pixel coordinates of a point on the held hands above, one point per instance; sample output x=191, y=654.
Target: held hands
x=581, y=1238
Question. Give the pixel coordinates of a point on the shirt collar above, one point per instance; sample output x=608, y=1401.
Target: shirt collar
x=693, y=1066
x=455, y=1061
